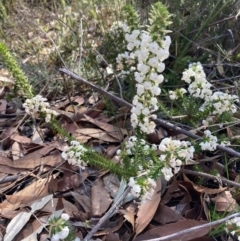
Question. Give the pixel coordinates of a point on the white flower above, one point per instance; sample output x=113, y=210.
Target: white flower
x=153, y=47
x=73, y=154
x=167, y=172
x=65, y=216
x=139, y=77
x=166, y=42
x=64, y=232
x=136, y=189
x=221, y=102
x=132, y=36
x=55, y=237
x=116, y=26
x=209, y=142
x=140, y=89
x=143, y=68
x=153, y=62
x=232, y=226
x=160, y=67
x=38, y=105
x=173, y=95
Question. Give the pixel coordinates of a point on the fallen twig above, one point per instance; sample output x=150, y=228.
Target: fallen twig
x=161, y=122
x=189, y=230
x=209, y=176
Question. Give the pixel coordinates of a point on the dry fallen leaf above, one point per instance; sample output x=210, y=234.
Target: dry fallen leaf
x=3, y=105
x=113, y=131
x=165, y=214
x=96, y=133
x=21, y=139
x=191, y=185
x=129, y=214
x=101, y=199
x=84, y=200
x=224, y=202
x=34, y=191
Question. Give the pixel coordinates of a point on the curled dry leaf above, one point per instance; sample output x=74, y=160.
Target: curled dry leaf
x=69, y=208
x=129, y=214
x=224, y=202
x=200, y=189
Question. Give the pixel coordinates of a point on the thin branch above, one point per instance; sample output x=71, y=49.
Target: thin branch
x=108, y=214
x=193, y=229
x=9, y=179
x=161, y=122
x=209, y=176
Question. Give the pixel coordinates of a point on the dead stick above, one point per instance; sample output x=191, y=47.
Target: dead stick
x=209, y=176
x=161, y=122
x=191, y=230
x=107, y=215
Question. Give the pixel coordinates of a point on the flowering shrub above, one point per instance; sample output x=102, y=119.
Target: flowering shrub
x=39, y=106
x=141, y=61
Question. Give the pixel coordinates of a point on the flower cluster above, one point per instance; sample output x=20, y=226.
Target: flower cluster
x=143, y=188
x=209, y=141
x=216, y=103
x=59, y=227
x=233, y=227
x=178, y=93
x=220, y=102
x=138, y=152
x=195, y=76
x=74, y=153
x=118, y=25
x=173, y=154
x=133, y=143
x=39, y=105
x=148, y=56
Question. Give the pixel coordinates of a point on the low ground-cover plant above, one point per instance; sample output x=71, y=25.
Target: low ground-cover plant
x=142, y=64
